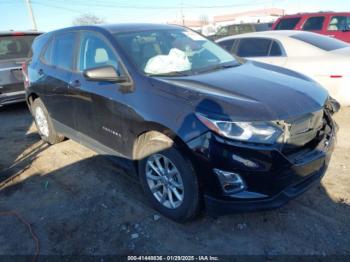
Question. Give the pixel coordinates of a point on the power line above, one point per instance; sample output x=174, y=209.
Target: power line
x=58, y=7
x=129, y=6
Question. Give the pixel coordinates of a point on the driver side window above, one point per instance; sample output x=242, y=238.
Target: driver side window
x=95, y=52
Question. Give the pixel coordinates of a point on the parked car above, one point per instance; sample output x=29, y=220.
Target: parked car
x=324, y=59
x=332, y=24
x=14, y=49
x=196, y=124
x=240, y=29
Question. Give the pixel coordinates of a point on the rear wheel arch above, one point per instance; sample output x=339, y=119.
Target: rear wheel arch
x=31, y=98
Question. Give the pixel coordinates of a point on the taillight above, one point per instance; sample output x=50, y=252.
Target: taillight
x=17, y=34
x=25, y=74
x=336, y=76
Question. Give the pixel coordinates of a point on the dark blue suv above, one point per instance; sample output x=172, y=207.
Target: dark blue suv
x=199, y=127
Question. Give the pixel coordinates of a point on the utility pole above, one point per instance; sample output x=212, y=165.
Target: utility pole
x=30, y=10
x=182, y=13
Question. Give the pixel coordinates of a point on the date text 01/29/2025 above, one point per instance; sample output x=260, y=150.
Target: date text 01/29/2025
x=173, y=258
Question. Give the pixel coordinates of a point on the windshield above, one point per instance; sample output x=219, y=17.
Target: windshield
x=13, y=47
x=173, y=52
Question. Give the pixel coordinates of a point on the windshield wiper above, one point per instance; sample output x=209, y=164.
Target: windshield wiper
x=218, y=67
x=173, y=73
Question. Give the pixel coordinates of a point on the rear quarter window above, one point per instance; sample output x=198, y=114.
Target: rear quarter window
x=14, y=47
x=275, y=49
x=46, y=54
x=287, y=23
x=62, y=53
x=325, y=43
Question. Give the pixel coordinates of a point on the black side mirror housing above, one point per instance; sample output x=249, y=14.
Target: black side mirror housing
x=104, y=73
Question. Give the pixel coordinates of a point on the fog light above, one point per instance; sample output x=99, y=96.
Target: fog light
x=230, y=182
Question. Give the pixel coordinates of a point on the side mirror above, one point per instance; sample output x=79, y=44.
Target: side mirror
x=104, y=73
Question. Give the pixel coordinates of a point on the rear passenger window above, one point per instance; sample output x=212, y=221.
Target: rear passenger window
x=227, y=45
x=63, y=50
x=314, y=23
x=339, y=23
x=287, y=23
x=95, y=52
x=254, y=47
x=275, y=49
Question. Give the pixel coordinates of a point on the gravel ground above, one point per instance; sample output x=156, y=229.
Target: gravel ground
x=80, y=203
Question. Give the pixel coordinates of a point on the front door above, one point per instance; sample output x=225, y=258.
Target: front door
x=100, y=105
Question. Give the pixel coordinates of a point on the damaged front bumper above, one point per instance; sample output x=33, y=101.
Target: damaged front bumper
x=271, y=176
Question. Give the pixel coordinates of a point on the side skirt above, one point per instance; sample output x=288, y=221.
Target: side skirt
x=119, y=159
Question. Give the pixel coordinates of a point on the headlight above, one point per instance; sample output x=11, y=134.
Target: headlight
x=254, y=132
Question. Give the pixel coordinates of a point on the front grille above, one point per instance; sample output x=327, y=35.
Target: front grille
x=303, y=130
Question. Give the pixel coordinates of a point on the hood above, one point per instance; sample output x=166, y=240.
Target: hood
x=248, y=92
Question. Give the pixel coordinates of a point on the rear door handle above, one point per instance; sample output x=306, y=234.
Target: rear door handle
x=74, y=83
x=40, y=71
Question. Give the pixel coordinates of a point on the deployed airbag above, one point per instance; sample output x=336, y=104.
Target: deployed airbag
x=175, y=61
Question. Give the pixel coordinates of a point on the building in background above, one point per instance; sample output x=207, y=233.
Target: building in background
x=256, y=16
x=212, y=25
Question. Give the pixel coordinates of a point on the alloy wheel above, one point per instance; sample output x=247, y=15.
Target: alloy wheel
x=164, y=181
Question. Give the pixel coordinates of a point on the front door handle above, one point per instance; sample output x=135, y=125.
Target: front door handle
x=74, y=83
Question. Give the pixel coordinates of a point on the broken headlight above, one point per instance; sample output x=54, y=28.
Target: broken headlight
x=254, y=132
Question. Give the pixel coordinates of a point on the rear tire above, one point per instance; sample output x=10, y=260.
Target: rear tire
x=44, y=124
x=167, y=178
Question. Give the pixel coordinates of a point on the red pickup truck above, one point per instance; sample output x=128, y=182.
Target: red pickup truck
x=333, y=24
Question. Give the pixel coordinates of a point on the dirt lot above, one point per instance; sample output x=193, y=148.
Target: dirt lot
x=80, y=203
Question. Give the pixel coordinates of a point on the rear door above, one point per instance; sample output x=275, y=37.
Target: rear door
x=14, y=50
x=54, y=72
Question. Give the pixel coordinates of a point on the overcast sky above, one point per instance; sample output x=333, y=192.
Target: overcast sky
x=53, y=14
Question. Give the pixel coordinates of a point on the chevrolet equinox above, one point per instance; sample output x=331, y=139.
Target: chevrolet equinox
x=199, y=127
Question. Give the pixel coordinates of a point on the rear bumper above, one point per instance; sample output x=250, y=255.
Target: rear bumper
x=12, y=97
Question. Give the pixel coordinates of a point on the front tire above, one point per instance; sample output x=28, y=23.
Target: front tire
x=44, y=124
x=168, y=179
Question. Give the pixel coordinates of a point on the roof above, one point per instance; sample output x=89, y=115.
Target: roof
x=316, y=13
x=270, y=34
x=125, y=27
x=132, y=27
